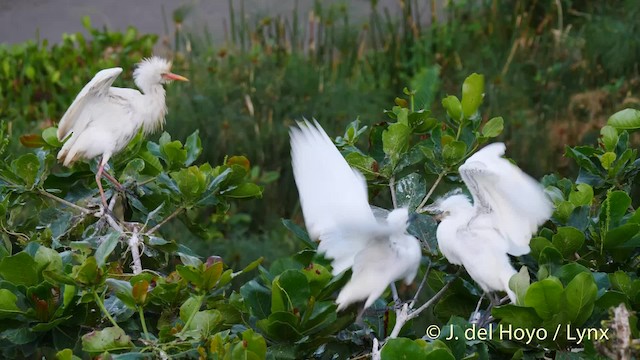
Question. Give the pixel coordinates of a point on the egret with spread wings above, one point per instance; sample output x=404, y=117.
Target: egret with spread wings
x=103, y=119
x=508, y=206
x=336, y=210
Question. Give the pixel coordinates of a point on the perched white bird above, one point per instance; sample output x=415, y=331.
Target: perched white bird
x=336, y=210
x=102, y=119
x=508, y=206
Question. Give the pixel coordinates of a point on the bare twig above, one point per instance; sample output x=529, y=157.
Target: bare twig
x=405, y=314
x=392, y=188
x=165, y=220
x=433, y=188
x=134, y=246
x=424, y=281
x=65, y=202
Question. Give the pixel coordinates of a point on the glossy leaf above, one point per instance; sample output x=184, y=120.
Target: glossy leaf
x=580, y=296
x=627, y=119
x=472, y=94
x=493, y=127
x=545, y=296
x=107, y=339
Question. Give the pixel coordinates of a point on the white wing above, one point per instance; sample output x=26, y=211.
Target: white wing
x=515, y=201
x=382, y=262
x=333, y=196
x=72, y=120
x=482, y=251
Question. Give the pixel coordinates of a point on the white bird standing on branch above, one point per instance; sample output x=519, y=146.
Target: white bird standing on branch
x=508, y=206
x=102, y=119
x=336, y=210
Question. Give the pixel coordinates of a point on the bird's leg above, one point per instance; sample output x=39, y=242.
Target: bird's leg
x=486, y=317
x=475, y=315
x=99, y=182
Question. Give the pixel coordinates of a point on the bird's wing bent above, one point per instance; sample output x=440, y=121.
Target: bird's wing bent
x=516, y=202
x=98, y=87
x=333, y=196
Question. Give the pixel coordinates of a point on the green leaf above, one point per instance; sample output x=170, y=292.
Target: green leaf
x=66, y=354
x=453, y=107
x=567, y=272
x=607, y=159
x=402, y=348
x=205, y=322
x=244, y=190
x=568, y=240
x=26, y=167
x=123, y=290
x=580, y=296
x=493, y=127
x=290, y=291
x=472, y=94
x=395, y=141
x=107, y=244
x=190, y=307
x=19, y=269
x=609, y=136
x=620, y=235
x=538, y=244
x=582, y=195
x=545, y=297
x=518, y=316
x=48, y=259
x=257, y=298
x=299, y=233
x=519, y=283
x=50, y=136
x=8, y=307
x=366, y=165
x=627, y=119
x=454, y=152
x=88, y=274
x=107, y=339
x=410, y=190
x=252, y=343
x=318, y=277
x=193, y=147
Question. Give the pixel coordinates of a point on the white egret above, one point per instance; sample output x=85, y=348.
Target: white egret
x=102, y=119
x=336, y=210
x=508, y=206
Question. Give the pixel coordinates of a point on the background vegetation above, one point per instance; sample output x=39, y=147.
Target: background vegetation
x=555, y=71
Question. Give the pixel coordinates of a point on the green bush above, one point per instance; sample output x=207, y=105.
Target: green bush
x=75, y=281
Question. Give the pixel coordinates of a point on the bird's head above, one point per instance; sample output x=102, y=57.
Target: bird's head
x=154, y=71
x=449, y=205
x=399, y=218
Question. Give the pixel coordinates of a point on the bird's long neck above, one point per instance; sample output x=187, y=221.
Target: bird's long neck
x=155, y=107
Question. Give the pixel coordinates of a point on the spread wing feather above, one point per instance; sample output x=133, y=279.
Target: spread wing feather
x=333, y=196
x=96, y=88
x=516, y=202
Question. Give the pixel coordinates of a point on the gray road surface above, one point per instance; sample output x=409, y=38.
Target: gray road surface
x=21, y=20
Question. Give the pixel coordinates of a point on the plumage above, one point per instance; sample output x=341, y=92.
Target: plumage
x=103, y=119
x=336, y=210
x=508, y=207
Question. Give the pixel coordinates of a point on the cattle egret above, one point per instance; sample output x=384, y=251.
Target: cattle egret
x=336, y=211
x=102, y=119
x=508, y=206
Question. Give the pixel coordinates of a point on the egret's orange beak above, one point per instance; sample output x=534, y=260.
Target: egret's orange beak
x=172, y=76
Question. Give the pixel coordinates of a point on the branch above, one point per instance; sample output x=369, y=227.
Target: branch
x=165, y=220
x=134, y=246
x=433, y=188
x=392, y=188
x=405, y=314
x=65, y=202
